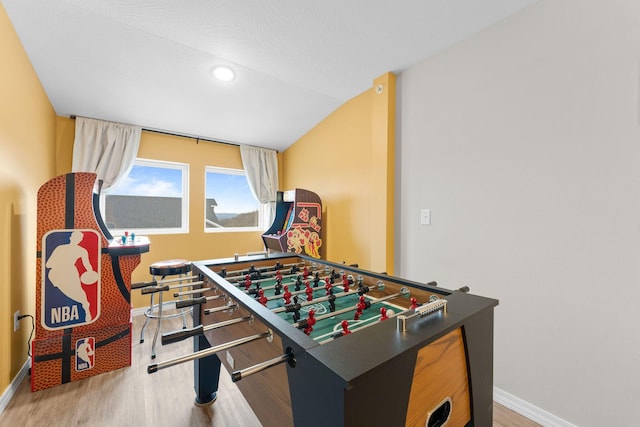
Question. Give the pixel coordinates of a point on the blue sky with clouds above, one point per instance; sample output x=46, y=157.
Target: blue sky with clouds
x=232, y=192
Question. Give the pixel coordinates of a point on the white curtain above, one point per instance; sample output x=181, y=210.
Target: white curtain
x=261, y=167
x=106, y=148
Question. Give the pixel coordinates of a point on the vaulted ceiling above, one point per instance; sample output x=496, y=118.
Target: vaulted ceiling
x=148, y=62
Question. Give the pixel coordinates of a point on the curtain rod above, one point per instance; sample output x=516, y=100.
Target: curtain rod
x=198, y=139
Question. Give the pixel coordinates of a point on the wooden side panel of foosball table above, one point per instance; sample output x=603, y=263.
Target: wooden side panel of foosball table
x=440, y=373
x=267, y=392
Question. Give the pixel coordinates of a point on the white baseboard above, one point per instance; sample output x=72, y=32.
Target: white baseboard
x=528, y=410
x=11, y=390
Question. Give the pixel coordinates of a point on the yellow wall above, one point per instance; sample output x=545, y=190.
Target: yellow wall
x=27, y=138
x=347, y=159
x=196, y=245
x=37, y=145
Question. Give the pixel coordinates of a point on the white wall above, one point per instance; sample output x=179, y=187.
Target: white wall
x=524, y=141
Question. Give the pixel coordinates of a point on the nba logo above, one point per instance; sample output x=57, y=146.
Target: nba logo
x=85, y=353
x=70, y=287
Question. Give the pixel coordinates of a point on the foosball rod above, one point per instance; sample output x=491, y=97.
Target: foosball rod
x=315, y=300
x=138, y=285
x=329, y=275
x=155, y=367
x=302, y=291
x=243, y=272
x=182, y=334
x=422, y=311
x=230, y=307
x=355, y=307
x=293, y=293
x=359, y=327
x=200, y=300
x=240, y=284
x=192, y=292
x=289, y=276
x=289, y=356
x=165, y=288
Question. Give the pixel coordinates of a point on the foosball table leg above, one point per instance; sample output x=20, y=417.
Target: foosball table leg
x=206, y=372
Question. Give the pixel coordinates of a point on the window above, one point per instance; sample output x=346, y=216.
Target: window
x=152, y=199
x=229, y=202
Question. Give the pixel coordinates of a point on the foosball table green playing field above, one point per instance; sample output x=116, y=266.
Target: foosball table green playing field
x=316, y=343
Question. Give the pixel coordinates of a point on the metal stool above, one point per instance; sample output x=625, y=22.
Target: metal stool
x=162, y=269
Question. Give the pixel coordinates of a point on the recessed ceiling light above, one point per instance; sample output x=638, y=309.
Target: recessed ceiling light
x=222, y=73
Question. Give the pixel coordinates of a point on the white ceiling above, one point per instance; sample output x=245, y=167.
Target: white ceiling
x=147, y=62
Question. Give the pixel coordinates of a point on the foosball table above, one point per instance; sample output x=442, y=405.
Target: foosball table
x=316, y=343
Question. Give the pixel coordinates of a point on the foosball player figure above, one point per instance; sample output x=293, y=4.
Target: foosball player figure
x=414, y=303
x=345, y=327
x=345, y=330
x=363, y=304
x=296, y=313
x=305, y=272
x=345, y=283
x=223, y=272
x=327, y=285
x=287, y=295
x=278, y=275
x=278, y=266
x=307, y=324
x=253, y=273
x=362, y=289
x=383, y=313
x=261, y=298
x=247, y=282
x=308, y=290
x=332, y=277
x=335, y=276
x=255, y=291
x=294, y=309
x=298, y=283
x=294, y=269
x=278, y=287
x=331, y=300
x=316, y=280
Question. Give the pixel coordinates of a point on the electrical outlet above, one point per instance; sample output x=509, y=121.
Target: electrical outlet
x=16, y=323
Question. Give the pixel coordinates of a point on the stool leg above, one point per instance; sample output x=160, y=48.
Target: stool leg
x=184, y=312
x=147, y=314
x=158, y=326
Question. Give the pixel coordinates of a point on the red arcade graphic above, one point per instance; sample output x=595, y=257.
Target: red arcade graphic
x=70, y=278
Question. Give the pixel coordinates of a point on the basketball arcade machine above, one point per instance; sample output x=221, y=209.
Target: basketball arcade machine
x=83, y=276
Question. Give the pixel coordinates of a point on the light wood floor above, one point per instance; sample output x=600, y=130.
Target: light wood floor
x=131, y=397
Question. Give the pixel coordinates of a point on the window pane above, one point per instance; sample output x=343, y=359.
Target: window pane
x=229, y=201
x=149, y=198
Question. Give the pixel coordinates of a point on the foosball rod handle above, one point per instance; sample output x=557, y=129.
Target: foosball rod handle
x=154, y=289
x=194, y=301
x=189, y=302
x=139, y=285
x=182, y=334
x=289, y=357
x=155, y=367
